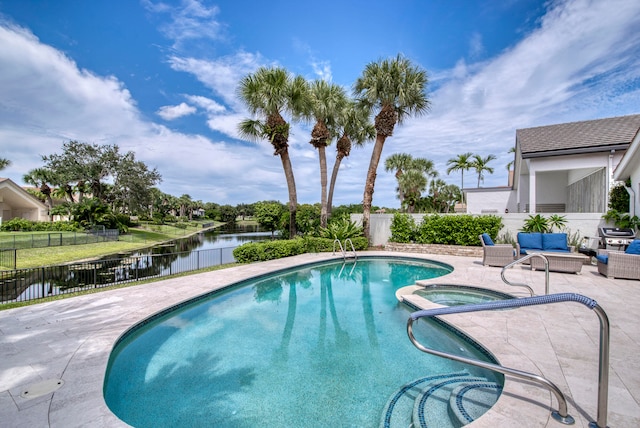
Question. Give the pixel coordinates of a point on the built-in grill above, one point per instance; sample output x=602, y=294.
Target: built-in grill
x=614, y=238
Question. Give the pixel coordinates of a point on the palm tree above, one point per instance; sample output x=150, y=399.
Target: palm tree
x=462, y=163
x=268, y=93
x=4, y=163
x=480, y=165
x=327, y=101
x=398, y=162
x=404, y=163
x=39, y=177
x=413, y=182
x=395, y=88
x=356, y=128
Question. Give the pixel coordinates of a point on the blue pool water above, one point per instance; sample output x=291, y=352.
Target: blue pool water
x=317, y=346
x=456, y=295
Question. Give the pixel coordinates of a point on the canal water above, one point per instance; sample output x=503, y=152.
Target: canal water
x=201, y=250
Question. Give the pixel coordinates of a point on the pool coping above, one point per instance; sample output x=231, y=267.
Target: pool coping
x=72, y=339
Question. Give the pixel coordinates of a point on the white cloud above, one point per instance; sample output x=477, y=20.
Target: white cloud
x=174, y=112
x=207, y=104
x=190, y=21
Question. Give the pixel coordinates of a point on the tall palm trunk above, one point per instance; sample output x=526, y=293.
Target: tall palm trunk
x=369, y=184
x=332, y=185
x=291, y=185
x=323, y=186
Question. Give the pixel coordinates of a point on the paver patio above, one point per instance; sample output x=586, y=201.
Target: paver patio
x=70, y=340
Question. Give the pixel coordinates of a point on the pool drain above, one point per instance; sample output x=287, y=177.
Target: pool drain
x=42, y=388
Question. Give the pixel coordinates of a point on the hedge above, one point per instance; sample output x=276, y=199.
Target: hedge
x=462, y=229
x=271, y=250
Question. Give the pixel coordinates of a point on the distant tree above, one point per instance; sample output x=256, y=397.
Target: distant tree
x=480, y=164
x=413, y=176
x=268, y=215
x=228, y=214
x=268, y=93
x=41, y=178
x=395, y=89
x=461, y=163
x=4, y=163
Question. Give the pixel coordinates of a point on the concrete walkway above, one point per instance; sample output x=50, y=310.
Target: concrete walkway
x=53, y=356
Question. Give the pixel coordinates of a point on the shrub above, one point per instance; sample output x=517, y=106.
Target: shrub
x=270, y=250
x=341, y=228
x=445, y=229
x=403, y=228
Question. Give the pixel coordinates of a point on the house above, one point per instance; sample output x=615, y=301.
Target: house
x=565, y=168
x=629, y=169
x=17, y=202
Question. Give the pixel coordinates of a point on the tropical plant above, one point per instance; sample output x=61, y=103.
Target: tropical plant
x=536, y=223
x=461, y=163
x=480, y=164
x=268, y=93
x=395, y=89
x=511, y=162
x=341, y=228
x=412, y=175
x=622, y=220
x=356, y=128
x=557, y=221
x=327, y=100
x=619, y=198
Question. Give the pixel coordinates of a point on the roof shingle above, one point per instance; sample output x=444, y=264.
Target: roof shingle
x=587, y=135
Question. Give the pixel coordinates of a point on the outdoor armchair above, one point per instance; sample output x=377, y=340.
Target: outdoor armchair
x=495, y=254
x=620, y=264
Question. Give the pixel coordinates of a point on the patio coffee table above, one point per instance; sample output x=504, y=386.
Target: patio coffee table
x=559, y=262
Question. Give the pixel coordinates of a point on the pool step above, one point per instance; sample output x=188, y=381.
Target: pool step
x=457, y=398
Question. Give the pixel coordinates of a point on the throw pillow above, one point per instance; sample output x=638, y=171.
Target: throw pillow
x=634, y=247
x=487, y=239
x=554, y=241
x=529, y=241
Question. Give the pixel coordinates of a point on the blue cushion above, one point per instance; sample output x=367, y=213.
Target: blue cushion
x=554, y=241
x=529, y=241
x=487, y=239
x=634, y=247
x=604, y=258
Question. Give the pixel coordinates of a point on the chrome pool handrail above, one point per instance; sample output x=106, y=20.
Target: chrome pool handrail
x=521, y=260
x=561, y=414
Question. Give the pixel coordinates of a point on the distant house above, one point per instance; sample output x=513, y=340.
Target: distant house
x=567, y=167
x=17, y=202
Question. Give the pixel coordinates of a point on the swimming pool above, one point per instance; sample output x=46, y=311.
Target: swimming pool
x=319, y=345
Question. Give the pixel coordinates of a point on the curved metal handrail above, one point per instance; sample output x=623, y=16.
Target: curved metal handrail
x=561, y=414
x=349, y=241
x=521, y=260
x=340, y=245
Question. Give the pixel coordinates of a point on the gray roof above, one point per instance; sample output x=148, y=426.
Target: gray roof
x=578, y=137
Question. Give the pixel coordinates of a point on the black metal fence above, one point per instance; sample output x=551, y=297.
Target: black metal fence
x=36, y=283
x=8, y=258
x=57, y=239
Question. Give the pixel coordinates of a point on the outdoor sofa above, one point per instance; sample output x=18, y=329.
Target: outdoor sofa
x=496, y=254
x=542, y=242
x=620, y=264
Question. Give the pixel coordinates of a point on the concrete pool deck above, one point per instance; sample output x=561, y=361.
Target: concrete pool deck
x=53, y=355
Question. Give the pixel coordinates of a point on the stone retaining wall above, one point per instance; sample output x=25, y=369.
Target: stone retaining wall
x=450, y=250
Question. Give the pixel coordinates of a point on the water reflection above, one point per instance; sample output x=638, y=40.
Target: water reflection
x=199, y=251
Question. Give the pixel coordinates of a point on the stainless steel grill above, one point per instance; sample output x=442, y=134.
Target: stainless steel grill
x=616, y=238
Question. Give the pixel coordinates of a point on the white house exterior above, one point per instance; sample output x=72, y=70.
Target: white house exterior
x=629, y=169
x=562, y=168
x=17, y=202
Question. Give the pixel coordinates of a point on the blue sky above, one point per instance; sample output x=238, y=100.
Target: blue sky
x=159, y=78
